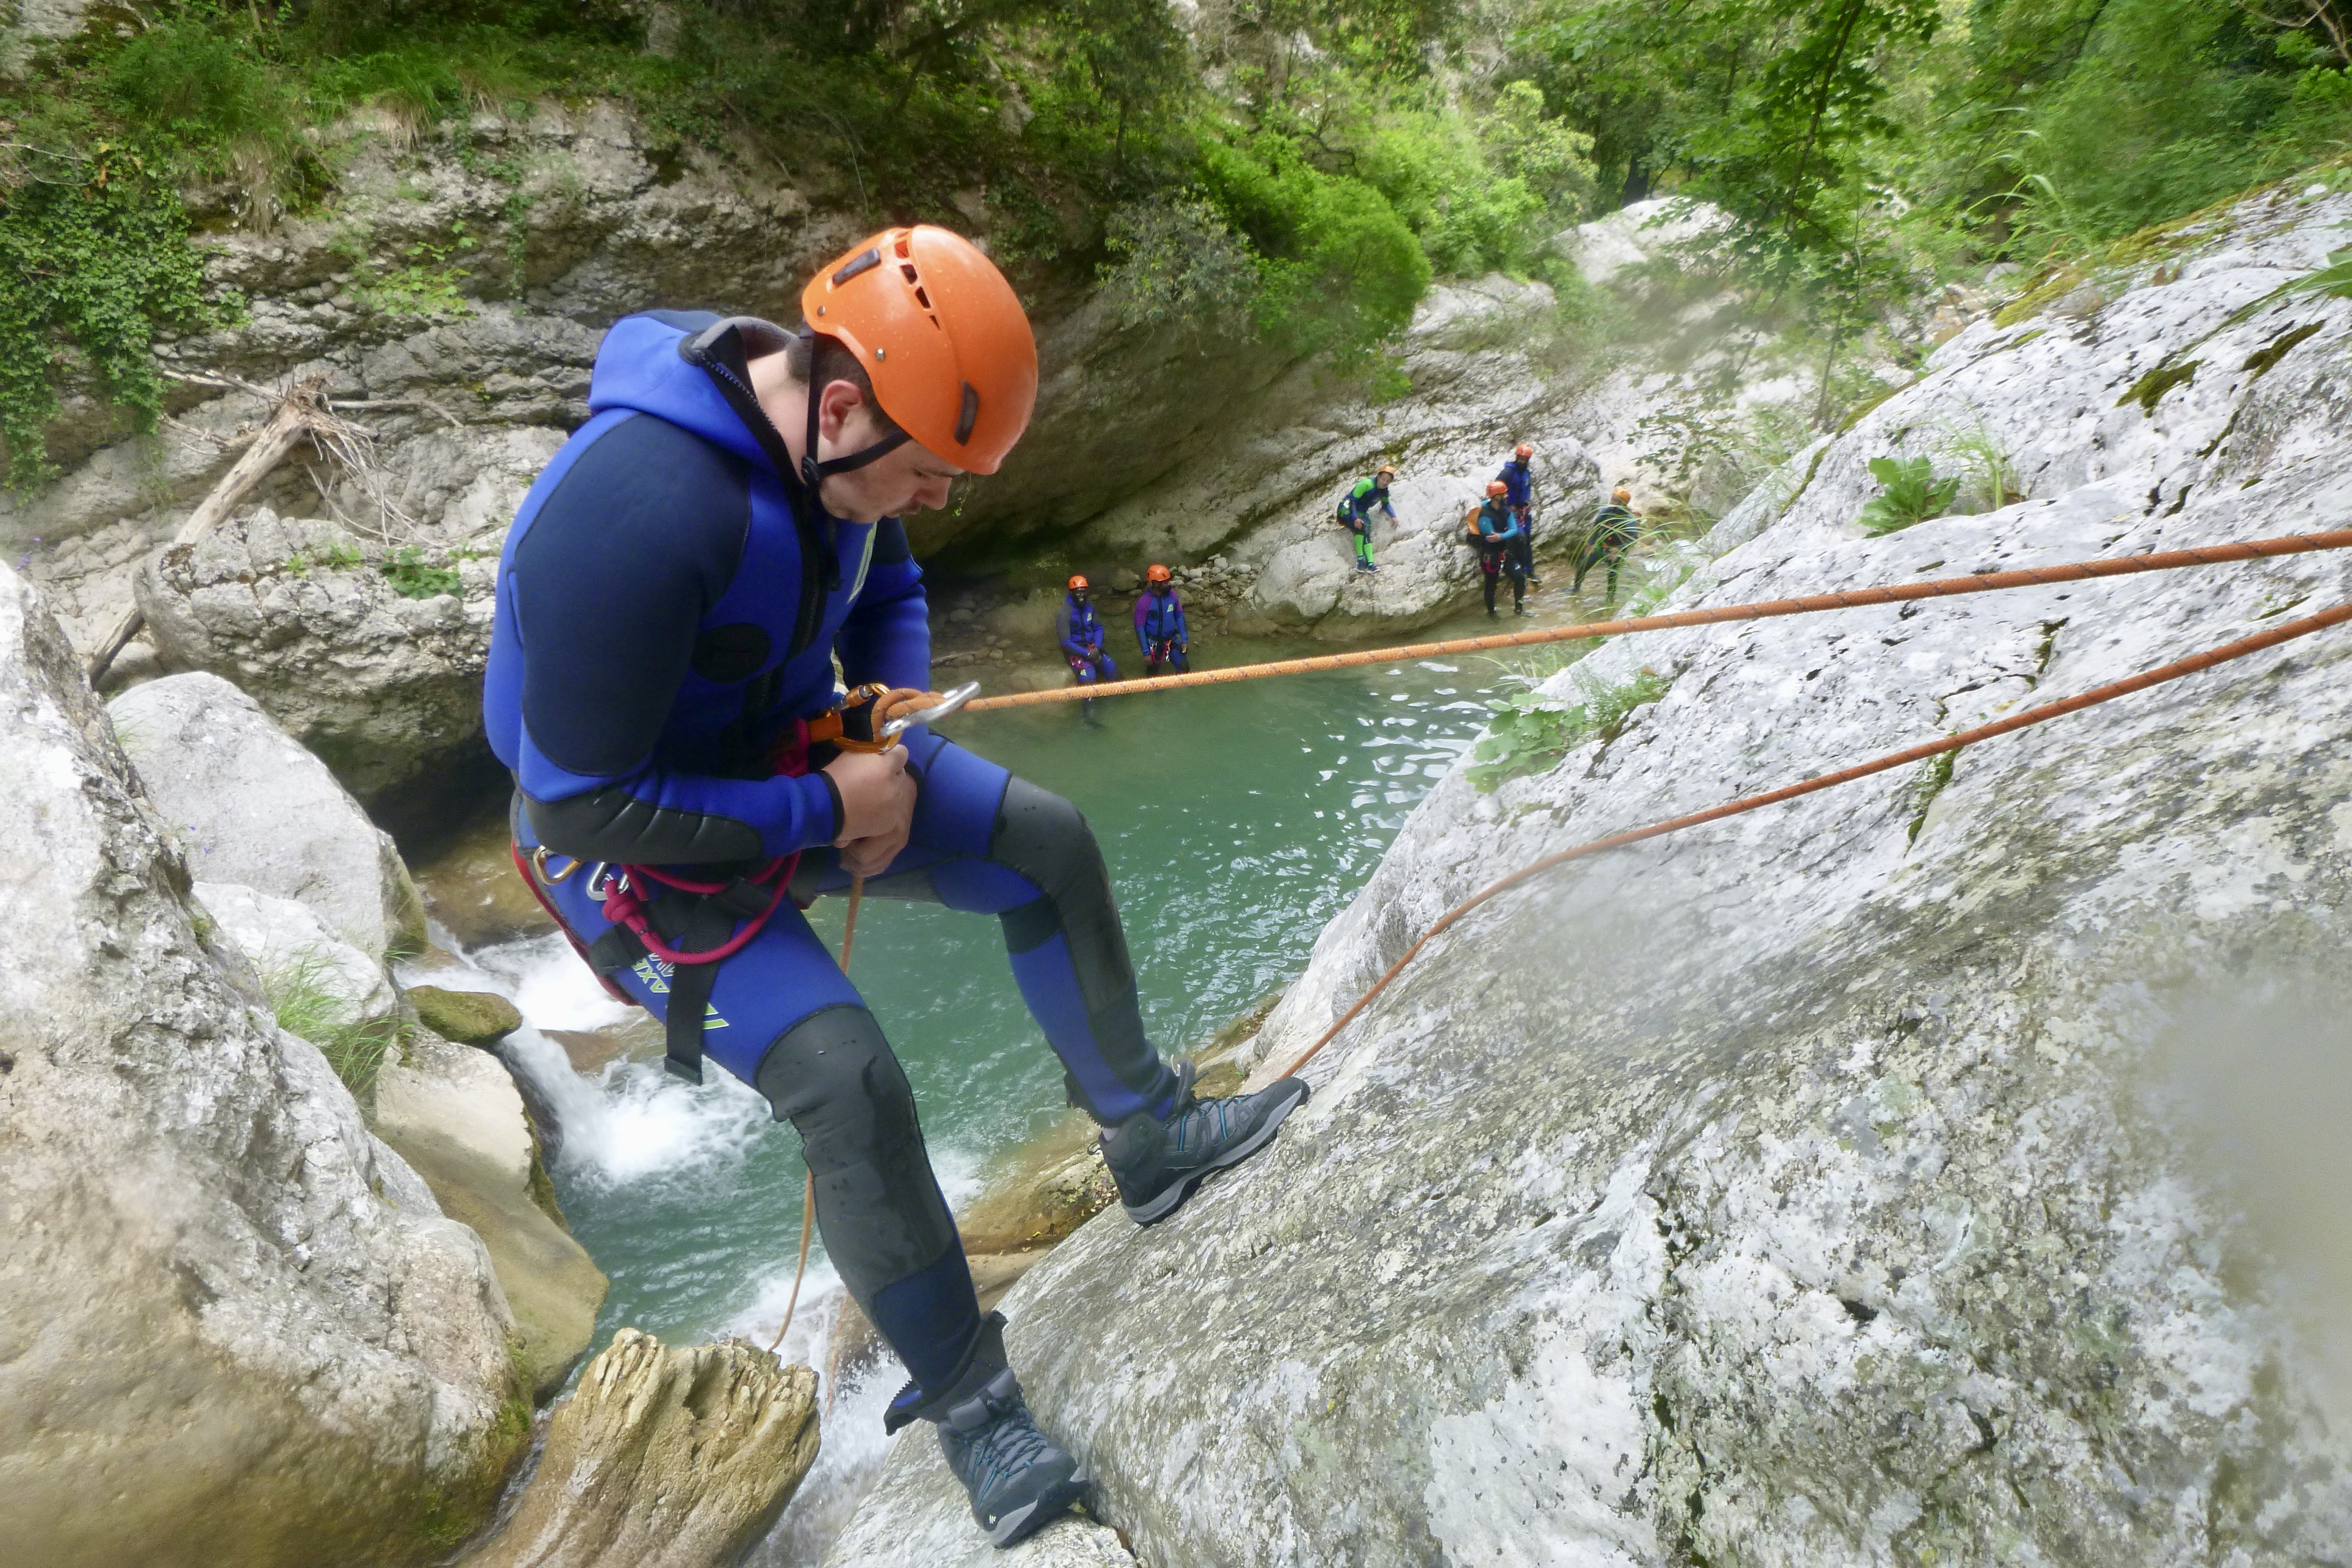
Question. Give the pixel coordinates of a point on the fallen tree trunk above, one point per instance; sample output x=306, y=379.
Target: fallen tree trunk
x=299, y=410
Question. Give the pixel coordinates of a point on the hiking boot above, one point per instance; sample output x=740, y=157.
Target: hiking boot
x=1158, y=1164
x=1019, y=1480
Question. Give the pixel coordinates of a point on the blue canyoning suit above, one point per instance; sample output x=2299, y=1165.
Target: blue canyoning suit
x=1520, y=493
x=1159, y=630
x=665, y=614
x=1082, y=642
x=1495, y=533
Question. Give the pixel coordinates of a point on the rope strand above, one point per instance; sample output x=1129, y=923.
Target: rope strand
x=1930, y=588
x=2193, y=664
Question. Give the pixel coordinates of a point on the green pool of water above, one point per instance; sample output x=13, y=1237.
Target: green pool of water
x=1236, y=821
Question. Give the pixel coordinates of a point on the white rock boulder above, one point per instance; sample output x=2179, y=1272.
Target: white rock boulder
x=250, y=806
x=280, y=937
x=219, y=1343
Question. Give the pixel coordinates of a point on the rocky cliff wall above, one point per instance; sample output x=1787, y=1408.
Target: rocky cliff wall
x=233, y=1327
x=1835, y=1184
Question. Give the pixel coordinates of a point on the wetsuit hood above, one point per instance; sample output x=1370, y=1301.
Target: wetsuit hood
x=639, y=367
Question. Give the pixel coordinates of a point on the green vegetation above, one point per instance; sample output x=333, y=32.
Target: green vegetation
x=298, y=993
x=1913, y=493
x=413, y=578
x=1290, y=170
x=1530, y=734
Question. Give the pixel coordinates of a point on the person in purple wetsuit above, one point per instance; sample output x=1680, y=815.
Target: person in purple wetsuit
x=1160, y=627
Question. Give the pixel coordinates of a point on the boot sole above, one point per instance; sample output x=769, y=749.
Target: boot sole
x=1169, y=1201
x=1026, y=1520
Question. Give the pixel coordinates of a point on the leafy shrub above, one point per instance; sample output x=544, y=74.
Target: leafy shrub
x=413, y=578
x=94, y=254
x=1176, y=259
x=1913, y=492
x=1530, y=734
x=1339, y=268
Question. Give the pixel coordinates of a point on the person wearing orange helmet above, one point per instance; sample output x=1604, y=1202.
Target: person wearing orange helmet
x=1518, y=479
x=1616, y=528
x=671, y=601
x=1491, y=529
x=1160, y=627
x=1082, y=637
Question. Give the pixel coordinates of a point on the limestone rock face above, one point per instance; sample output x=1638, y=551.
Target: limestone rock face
x=1815, y=1187
x=453, y=1113
x=250, y=806
x=219, y=1343
x=387, y=687
x=280, y=934
x=664, y=1458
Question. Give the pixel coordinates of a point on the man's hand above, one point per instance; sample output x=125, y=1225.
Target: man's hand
x=877, y=808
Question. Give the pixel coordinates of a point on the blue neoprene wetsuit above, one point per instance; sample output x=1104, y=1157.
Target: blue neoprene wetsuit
x=1160, y=627
x=642, y=666
x=1082, y=641
x=1519, y=480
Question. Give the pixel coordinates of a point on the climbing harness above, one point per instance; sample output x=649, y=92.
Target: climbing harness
x=685, y=927
x=1929, y=588
x=2042, y=713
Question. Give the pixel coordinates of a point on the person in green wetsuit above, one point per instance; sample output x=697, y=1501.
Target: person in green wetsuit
x=1356, y=508
x=1615, y=528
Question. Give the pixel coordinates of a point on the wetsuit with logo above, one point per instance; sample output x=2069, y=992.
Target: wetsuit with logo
x=643, y=674
x=1518, y=478
x=1496, y=530
x=1082, y=642
x=1159, y=630
x=1356, y=512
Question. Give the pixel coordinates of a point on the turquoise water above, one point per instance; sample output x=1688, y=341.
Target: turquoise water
x=1236, y=821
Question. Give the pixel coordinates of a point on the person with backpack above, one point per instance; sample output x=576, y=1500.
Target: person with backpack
x=1493, y=531
x=1160, y=629
x=1520, y=488
x=671, y=602
x=1616, y=528
x=1356, y=508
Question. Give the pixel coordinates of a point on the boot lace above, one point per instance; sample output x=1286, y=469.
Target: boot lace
x=1008, y=1447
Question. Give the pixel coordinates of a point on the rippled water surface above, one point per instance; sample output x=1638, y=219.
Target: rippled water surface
x=1236, y=820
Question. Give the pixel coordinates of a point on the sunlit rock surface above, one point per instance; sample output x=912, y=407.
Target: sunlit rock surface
x=664, y=1458
x=234, y=1330
x=1817, y=1187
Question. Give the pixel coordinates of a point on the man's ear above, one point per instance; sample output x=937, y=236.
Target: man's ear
x=834, y=406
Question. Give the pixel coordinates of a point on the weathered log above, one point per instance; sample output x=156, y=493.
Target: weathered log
x=298, y=410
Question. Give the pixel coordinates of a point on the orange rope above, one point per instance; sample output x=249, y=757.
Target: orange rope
x=808, y=1189
x=2048, y=710
x=1931, y=588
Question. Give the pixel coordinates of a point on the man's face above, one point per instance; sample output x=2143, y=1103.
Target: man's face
x=906, y=480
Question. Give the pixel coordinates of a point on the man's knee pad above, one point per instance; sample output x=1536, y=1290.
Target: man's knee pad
x=1045, y=838
x=833, y=1078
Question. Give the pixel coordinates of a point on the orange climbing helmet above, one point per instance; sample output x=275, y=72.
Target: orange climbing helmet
x=1621, y=495
x=1525, y=450
x=1497, y=488
x=1080, y=585
x=1158, y=575
x=940, y=333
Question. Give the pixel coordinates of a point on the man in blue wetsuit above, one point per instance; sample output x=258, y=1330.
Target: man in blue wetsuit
x=1519, y=491
x=670, y=601
x=1081, y=636
x=1160, y=629
x=1493, y=531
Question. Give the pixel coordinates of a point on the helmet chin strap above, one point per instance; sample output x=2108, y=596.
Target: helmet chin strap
x=813, y=473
